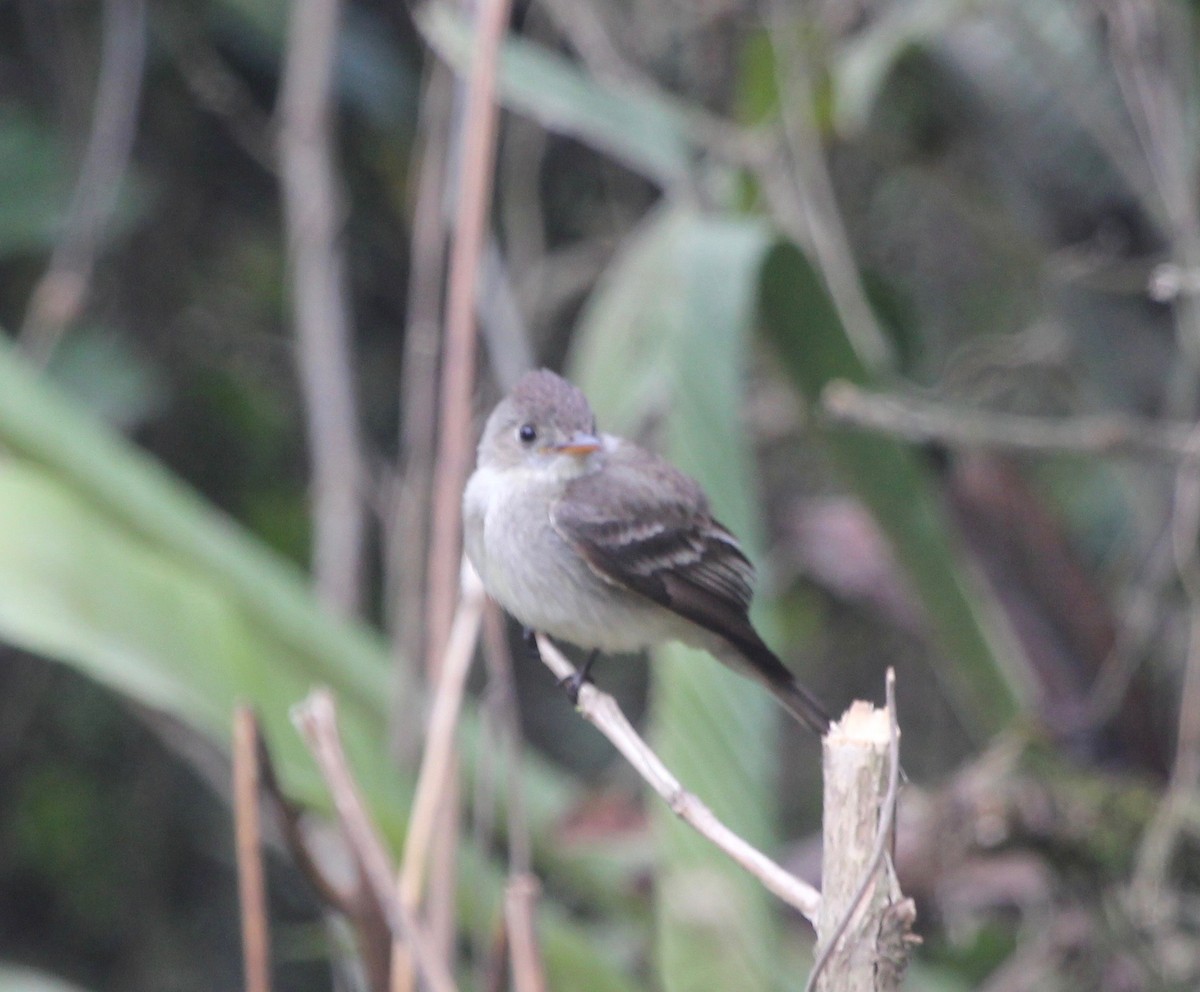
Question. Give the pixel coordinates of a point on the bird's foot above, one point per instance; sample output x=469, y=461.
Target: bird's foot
x=529, y=636
x=575, y=682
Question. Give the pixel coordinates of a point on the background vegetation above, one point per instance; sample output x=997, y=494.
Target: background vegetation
x=910, y=286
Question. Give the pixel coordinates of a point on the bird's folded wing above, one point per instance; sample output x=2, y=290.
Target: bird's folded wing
x=647, y=527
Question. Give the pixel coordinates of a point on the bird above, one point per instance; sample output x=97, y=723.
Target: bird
x=596, y=541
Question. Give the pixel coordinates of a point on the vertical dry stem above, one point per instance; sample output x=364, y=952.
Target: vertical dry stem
x=520, y=906
x=408, y=534
x=433, y=805
x=316, y=719
x=61, y=292
x=252, y=888
x=321, y=311
x=458, y=364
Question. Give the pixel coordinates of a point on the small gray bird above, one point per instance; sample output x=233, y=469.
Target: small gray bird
x=596, y=541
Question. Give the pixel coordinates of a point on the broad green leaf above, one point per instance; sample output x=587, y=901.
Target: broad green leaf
x=105, y=372
x=663, y=338
x=647, y=132
x=262, y=23
x=110, y=565
x=34, y=185
x=862, y=67
x=801, y=322
x=16, y=979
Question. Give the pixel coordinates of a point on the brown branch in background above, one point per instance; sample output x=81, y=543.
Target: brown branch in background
x=322, y=854
x=217, y=88
x=521, y=894
x=1141, y=618
x=441, y=901
x=1161, y=837
x=59, y=295
x=408, y=530
x=1144, y=51
x=474, y=187
x=501, y=702
x=520, y=907
x=602, y=711
x=494, y=970
x=458, y=363
x=252, y=886
x=436, y=775
x=312, y=217
x=505, y=331
x=924, y=420
x=292, y=823
x=519, y=179
x=316, y=719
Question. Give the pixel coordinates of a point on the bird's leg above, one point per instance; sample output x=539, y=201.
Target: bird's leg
x=573, y=683
x=529, y=636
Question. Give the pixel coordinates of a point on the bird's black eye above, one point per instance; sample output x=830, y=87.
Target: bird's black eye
x=527, y=433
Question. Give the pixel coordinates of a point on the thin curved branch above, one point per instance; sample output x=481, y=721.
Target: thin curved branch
x=316, y=719
x=602, y=711
x=924, y=420
x=59, y=295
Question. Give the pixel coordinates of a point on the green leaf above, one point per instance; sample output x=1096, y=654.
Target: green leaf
x=262, y=23
x=861, y=69
x=801, y=322
x=110, y=565
x=106, y=373
x=34, y=187
x=663, y=338
x=647, y=132
x=16, y=979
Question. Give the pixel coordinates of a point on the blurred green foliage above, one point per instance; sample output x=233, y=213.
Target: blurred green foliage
x=1003, y=212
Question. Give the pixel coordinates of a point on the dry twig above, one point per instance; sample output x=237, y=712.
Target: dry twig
x=501, y=707
x=602, y=711
x=924, y=420
x=59, y=295
x=252, y=887
x=474, y=188
x=218, y=89
x=1144, y=51
x=316, y=719
x=313, y=220
x=458, y=362
x=436, y=776
x=520, y=905
x=408, y=530
x=1161, y=837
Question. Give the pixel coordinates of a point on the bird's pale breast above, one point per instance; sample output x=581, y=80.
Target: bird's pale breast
x=536, y=576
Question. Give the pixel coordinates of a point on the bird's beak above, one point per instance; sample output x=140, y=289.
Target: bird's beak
x=580, y=443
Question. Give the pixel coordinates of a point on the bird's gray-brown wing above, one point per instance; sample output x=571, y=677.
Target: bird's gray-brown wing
x=642, y=525
x=645, y=526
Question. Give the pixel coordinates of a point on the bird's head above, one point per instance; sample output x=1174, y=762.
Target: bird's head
x=545, y=423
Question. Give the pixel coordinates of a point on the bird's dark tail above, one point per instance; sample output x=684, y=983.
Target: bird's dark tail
x=802, y=705
x=752, y=657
